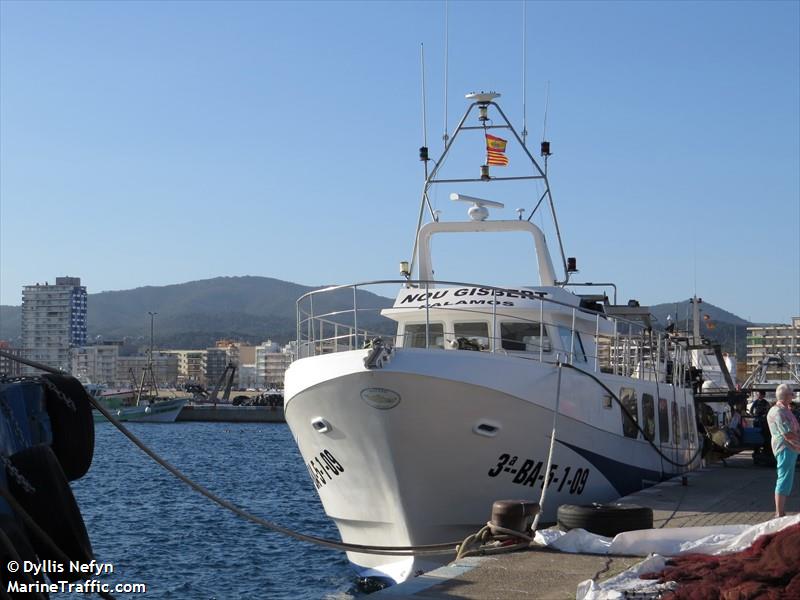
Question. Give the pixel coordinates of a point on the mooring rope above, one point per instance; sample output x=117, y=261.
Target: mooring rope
x=422, y=550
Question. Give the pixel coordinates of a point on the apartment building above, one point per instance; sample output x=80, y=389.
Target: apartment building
x=271, y=364
x=53, y=321
x=215, y=360
x=764, y=340
x=130, y=369
x=9, y=367
x=190, y=365
x=96, y=364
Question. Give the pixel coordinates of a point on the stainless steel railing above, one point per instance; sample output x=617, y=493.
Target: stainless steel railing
x=615, y=345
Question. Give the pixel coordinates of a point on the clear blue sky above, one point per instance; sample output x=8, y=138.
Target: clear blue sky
x=153, y=143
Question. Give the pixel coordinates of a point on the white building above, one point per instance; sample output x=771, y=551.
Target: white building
x=774, y=339
x=96, y=364
x=271, y=364
x=53, y=321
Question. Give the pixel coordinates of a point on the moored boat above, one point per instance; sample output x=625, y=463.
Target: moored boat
x=410, y=436
x=151, y=410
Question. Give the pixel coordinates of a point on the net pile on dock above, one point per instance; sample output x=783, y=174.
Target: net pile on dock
x=767, y=570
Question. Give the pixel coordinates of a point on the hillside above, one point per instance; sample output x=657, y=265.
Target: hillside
x=728, y=330
x=252, y=309
x=195, y=314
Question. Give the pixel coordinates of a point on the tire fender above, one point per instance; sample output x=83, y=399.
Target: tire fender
x=605, y=519
x=52, y=506
x=73, y=430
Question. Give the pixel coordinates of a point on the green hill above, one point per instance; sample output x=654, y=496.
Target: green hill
x=195, y=314
x=729, y=330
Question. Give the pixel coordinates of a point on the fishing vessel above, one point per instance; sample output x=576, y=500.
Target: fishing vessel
x=413, y=419
x=145, y=404
x=148, y=410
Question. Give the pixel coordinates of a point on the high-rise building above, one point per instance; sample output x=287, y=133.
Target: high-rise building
x=54, y=321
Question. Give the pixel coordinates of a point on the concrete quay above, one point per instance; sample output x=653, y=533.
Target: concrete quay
x=227, y=413
x=734, y=492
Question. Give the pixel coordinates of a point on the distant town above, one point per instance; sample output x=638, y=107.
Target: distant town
x=54, y=332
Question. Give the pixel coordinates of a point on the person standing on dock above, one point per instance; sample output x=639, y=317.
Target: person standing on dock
x=785, y=432
x=760, y=406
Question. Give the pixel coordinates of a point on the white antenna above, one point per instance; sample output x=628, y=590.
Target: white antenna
x=546, y=106
x=424, y=112
x=445, y=137
x=524, y=72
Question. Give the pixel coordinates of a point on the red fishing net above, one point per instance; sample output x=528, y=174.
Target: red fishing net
x=768, y=570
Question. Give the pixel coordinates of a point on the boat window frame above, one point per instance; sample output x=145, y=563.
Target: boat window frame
x=629, y=426
x=430, y=325
x=684, y=423
x=649, y=416
x=676, y=426
x=546, y=345
x=487, y=337
x=663, y=420
x=576, y=352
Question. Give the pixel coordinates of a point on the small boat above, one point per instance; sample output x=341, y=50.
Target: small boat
x=149, y=410
x=144, y=405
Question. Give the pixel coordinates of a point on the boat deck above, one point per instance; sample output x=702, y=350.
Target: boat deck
x=721, y=494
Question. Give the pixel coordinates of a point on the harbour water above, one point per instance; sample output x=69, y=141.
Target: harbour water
x=155, y=530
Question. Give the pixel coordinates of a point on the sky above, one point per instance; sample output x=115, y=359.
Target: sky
x=150, y=143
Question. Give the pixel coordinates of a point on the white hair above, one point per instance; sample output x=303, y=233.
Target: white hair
x=783, y=390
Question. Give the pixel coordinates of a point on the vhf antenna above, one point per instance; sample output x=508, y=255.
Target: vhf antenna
x=524, y=72
x=423, y=151
x=445, y=136
x=545, y=144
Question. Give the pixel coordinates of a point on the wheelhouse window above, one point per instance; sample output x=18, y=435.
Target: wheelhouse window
x=414, y=335
x=523, y=336
x=676, y=428
x=663, y=420
x=630, y=418
x=572, y=344
x=684, y=424
x=472, y=336
x=649, y=416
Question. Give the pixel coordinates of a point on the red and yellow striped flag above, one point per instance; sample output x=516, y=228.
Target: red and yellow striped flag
x=496, y=151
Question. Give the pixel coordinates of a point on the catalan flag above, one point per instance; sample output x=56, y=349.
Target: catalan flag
x=496, y=151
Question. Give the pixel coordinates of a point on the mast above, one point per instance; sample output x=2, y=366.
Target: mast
x=484, y=102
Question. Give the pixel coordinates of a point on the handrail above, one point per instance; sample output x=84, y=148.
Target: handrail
x=636, y=353
x=433, y=282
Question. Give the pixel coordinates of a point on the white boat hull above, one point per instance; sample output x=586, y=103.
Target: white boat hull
x=469, y=428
